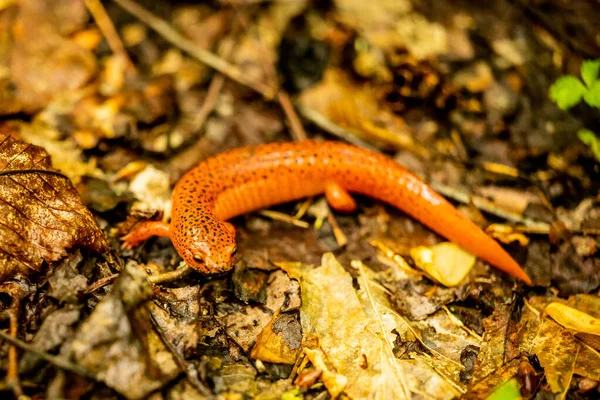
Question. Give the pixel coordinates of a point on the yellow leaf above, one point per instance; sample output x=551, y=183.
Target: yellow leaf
x=446, y=262
x=572, y=318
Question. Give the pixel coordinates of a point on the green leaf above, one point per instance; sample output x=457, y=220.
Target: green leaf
x=592, y=96
x=567, y=91
x=590, y=139
x=507, y=391
x=589, y=71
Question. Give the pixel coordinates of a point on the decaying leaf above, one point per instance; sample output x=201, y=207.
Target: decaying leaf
x=117, y=343
x=279, y=341
x=43, y=63
x=356, y=108
x=41, y=214
x=572, y=318
x=355, y=334
x=446, y=262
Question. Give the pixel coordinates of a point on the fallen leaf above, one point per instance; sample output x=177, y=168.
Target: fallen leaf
x=43, y=63
x=355, y=108
x=557, y=350
x=41, y=213
x=446, y=262
x=117, y=344
x=571, y=318
x=355, y=334
x=279, y=341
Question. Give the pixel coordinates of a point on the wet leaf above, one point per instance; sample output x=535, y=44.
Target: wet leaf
x=572, y=318
x=446, y=262
x=41, y=214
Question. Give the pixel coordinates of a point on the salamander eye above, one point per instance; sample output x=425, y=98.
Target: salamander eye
x=234, y=251
x=198, y=258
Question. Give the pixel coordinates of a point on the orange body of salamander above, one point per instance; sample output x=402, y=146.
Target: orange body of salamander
x=254, y=177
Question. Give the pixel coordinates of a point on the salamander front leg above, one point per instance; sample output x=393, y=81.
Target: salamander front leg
x=338, y=198
x=144, y=231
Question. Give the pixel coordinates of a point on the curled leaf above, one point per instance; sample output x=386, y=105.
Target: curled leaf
x=446, y=262
x=41, y=213
x=572, y=318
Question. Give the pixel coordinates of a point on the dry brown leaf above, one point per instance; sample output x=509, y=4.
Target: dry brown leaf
x=571, y=318
x=41, y=213
x=117, y=344
x=277, y=343
x=42, y=62
x=355, y=108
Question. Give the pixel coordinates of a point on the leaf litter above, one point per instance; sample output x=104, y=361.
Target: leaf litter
x=396, y=313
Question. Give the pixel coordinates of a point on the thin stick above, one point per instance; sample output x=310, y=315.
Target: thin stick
x=488, y=206
x=298, y=132
x=108, y=30
x=12, y=375
x=100, y=283
x=204, y=56
x=214, y=89
x=188, y=368
x=59, y=362
x=182, y=271
x=339, y=235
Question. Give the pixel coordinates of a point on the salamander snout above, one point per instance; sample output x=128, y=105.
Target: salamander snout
x=212, y=253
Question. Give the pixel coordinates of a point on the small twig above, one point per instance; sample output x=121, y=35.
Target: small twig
x=304, y=208
x=298, y=132
x=188, y=368
x=278, y=216
x=57, y=361
x=176, y=39
x=181, y=271
x=460, y=324
x=214, y=89
x=339, y=235
x=12, y=374
x=488, y=207
x=100, y=283
x=107, y=28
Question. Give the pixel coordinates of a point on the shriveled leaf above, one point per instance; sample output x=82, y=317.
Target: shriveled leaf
x=41, y=213
x=592, y=96
x=279, y=341
x=557, y=351
x=589, y=71
x=572, y=318
x=446, y=262
x=116, y=341
x=567, y=91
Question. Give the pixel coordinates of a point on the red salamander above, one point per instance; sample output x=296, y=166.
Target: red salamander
x=255, y=177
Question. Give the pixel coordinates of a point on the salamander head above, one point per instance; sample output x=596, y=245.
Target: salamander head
x=209, y=251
